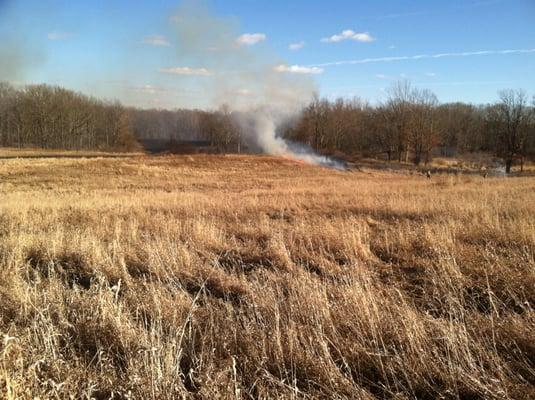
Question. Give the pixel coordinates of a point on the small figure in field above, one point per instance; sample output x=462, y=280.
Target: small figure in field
x=428, y=174
x=485, y=172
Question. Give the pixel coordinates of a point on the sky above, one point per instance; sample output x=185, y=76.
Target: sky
x=130, y=51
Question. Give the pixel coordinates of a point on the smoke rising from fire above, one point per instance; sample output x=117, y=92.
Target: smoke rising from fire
x=243, y=76
x=261, y=126
x=17, y=54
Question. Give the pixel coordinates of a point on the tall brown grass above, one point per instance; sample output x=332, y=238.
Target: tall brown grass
x=249, y=277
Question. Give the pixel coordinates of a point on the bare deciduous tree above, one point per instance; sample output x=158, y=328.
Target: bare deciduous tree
x=399, y=107
x=511, y=119
x=423, y=131
x=53, y=117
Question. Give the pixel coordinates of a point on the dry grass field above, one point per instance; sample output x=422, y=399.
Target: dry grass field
x=236, y=277
x=32, y=152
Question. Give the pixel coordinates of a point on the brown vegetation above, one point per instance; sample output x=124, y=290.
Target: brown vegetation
x=55, y=118
x=411, y=125
x=253, y=277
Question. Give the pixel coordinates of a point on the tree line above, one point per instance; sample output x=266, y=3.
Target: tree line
x=218, y=127
x=409, y=126
x=52, y=117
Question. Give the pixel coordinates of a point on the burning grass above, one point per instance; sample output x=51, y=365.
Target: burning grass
x=255, y=277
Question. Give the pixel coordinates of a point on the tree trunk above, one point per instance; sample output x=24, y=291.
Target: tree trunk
x=508, y=165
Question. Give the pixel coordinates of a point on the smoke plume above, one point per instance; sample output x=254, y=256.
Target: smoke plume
x=17, y=54
x=243, y=75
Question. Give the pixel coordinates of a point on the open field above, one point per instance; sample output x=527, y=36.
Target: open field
x=253, y=277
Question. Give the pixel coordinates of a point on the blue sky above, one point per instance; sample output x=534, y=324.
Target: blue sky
x=128, y=50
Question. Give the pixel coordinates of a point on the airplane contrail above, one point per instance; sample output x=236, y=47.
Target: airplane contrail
x=423, y=56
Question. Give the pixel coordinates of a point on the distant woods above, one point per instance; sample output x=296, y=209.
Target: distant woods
x=53, y=117
x=219, y=128
x=412, y=126
x=409, y=126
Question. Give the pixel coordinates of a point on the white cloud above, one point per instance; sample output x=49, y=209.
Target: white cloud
x=243, y=92
x=391, y=77
x=469, y=83
x=430, y=74
x=156, y=40
x=296, y=46
x=424, y=57
x=251, y=38
x=186, y=71
x=298, y=69
x=149, y=89
x=349, y=34
x=59, y=35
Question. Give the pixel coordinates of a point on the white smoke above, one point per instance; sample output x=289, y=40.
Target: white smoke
x=263, y=124
x=247, y=79
x=18, y=54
